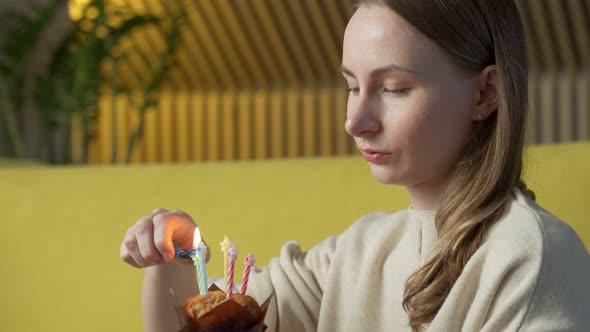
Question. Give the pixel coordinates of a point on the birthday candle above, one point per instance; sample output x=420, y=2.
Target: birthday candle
x=201, y=269
x=250, y=260
x=232, y=254
x=199, y=261
x=224, y=246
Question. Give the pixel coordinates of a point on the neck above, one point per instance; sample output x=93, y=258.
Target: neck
x=427, y=195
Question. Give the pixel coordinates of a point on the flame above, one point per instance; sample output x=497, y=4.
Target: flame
x=197, y=238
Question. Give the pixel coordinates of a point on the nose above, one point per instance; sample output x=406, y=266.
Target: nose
x=362, y=120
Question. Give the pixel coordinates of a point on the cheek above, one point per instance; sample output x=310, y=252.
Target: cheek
x=412, y=121
x=403, y=124
x=441, y=119
x=427, y=132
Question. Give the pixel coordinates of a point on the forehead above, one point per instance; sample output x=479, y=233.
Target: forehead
x=377, y=36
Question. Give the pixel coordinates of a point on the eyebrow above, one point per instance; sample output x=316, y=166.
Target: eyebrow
x=378, y=71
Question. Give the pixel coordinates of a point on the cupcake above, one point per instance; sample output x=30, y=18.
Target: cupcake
x=214, y=312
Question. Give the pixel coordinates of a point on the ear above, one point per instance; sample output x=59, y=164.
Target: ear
x=488, y=93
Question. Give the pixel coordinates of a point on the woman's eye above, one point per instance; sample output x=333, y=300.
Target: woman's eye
x=392, y=91
x=397, y=91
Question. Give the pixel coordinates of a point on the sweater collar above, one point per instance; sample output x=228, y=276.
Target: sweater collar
x=424, y=221
x=417, y=214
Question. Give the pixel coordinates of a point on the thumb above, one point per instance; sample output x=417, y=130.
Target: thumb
x=171, y=228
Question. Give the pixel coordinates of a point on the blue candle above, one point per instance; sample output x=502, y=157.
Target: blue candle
x=201, y=268
x=199, y=261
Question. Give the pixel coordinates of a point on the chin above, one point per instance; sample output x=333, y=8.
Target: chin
x=386, y=174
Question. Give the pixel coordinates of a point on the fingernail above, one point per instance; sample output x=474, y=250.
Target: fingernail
x=167, y=258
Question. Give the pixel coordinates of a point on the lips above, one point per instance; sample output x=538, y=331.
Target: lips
x=374, y=156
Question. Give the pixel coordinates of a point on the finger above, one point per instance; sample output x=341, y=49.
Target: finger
x=131, y=245
x=175, y=228
x=144, y=232
x=188, y=217
x=126, y=257
x=136, y=255
x=163, y=237
x=128, y=241
x=158, y=211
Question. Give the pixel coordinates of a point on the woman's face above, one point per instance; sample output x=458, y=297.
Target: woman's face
x=408, y=101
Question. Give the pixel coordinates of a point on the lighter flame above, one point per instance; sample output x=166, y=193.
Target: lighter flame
x=197, y=238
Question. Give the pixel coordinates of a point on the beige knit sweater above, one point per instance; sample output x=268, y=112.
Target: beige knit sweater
x=531, y=274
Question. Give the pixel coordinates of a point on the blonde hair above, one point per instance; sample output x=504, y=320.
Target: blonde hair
x=475, y=34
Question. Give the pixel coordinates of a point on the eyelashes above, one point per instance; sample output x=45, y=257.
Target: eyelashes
x=396, y=92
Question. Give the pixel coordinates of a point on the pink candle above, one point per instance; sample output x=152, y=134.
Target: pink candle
x=232, y=255
x=250, y=260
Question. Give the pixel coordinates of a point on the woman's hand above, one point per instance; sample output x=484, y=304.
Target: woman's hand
x=153, y=238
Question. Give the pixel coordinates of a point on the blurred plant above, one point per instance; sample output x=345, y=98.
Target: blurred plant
x=21, y=23
x=172, y=37
x=82, y=64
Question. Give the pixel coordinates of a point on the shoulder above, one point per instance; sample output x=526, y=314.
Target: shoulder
x=531, y=230
x=543, y=253
x=528, y=234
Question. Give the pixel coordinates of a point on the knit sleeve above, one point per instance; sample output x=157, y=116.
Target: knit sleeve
x=297, y=281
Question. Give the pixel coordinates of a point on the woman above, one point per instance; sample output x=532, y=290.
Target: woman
x=437, y=103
